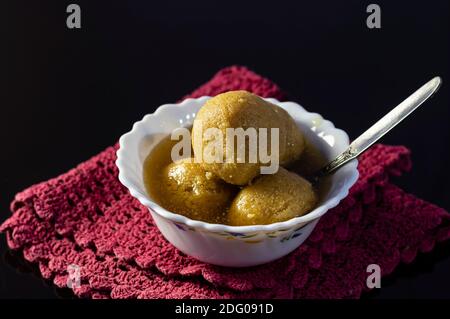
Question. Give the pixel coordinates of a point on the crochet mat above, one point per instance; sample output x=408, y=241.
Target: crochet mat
x=87, y=218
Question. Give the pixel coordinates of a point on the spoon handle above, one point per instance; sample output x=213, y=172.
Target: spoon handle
x=384, y=125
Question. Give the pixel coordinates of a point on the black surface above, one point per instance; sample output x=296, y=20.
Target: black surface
x=68, y=94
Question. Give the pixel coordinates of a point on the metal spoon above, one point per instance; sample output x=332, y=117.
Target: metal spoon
x=380, y=128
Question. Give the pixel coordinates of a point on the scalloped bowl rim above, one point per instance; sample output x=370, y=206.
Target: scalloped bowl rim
x=144, y=200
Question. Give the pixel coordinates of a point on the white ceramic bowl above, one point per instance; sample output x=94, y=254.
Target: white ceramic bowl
x=234, y=246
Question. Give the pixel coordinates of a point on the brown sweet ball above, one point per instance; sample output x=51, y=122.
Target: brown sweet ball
x=295, y=142
x=271, y=199
x=191, y=191
x=242, y=109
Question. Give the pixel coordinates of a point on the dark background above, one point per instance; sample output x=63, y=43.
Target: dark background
x=68, y=94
